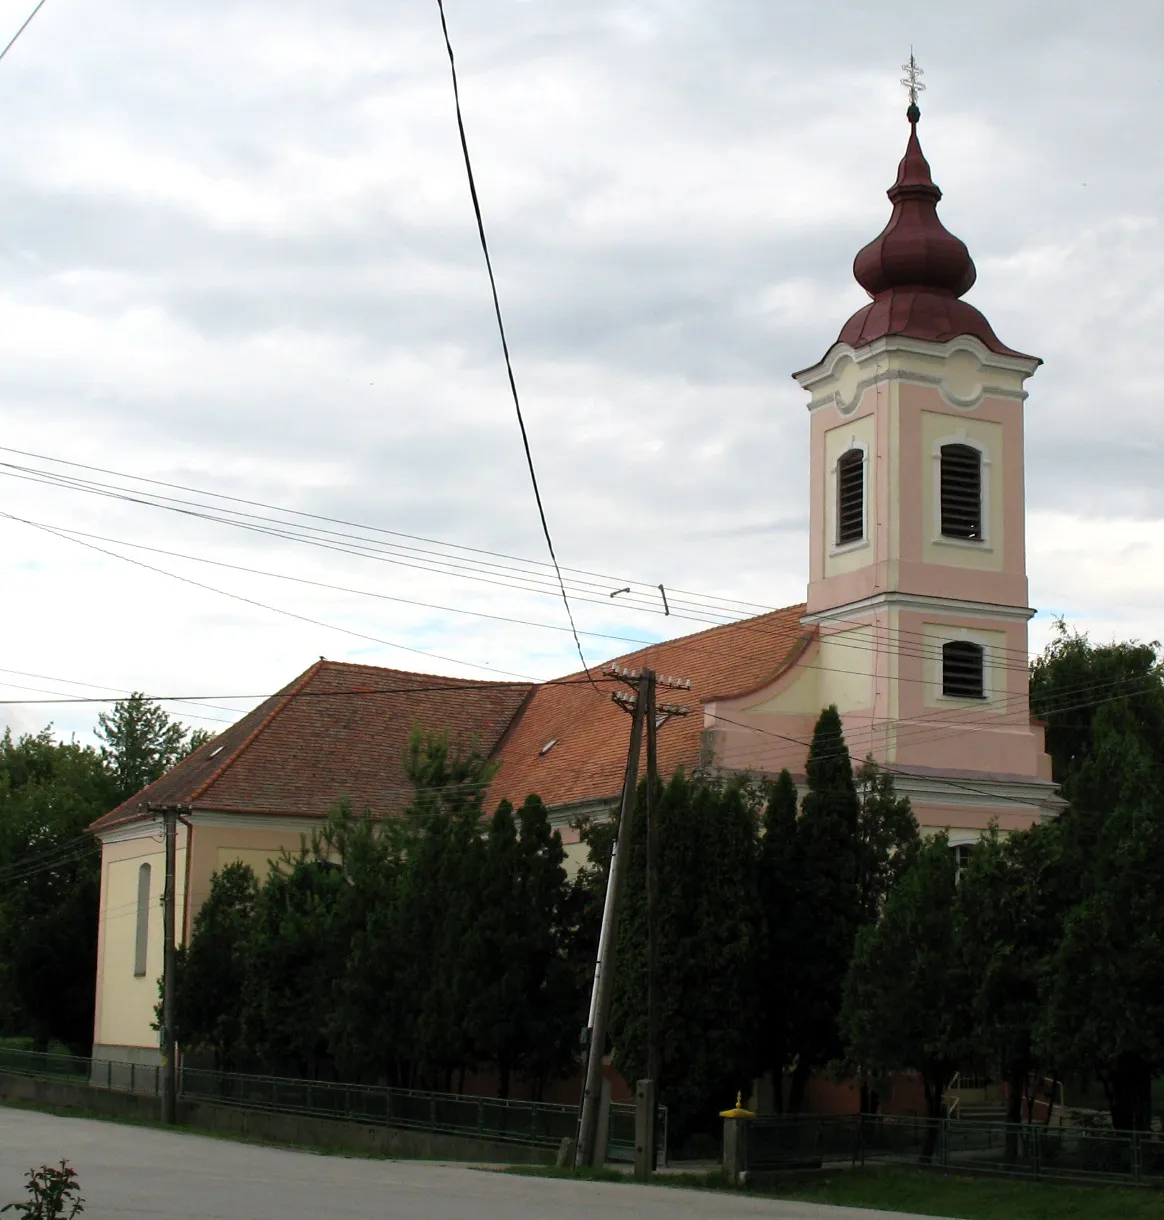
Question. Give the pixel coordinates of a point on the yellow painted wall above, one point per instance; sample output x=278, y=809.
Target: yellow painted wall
x=259, y=859
x=937, y=426
x=577, y=857
x=127, y=1003
x=840, y=672
x=860, y=431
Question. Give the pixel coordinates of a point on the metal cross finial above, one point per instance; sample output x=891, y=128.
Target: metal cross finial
x=910, y=80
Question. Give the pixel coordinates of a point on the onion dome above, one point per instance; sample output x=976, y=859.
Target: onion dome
x=916, y=269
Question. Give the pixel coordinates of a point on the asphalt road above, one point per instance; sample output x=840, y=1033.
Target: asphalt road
x=130, y=1172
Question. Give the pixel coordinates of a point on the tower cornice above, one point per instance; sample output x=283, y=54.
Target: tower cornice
x=964, y=370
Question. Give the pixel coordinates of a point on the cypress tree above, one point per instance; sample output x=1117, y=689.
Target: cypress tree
x=708, y=936
x=828, y=918
x=553, y=1006
x=779, y=883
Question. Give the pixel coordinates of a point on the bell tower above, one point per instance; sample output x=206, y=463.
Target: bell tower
x=917, y=532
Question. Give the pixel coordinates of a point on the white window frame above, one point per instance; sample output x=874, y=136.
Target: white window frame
x=993, y=699
x=141, y=936
x=975, y=544
x=836, y=548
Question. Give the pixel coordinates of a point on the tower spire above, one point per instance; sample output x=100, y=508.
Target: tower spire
x=915, y=269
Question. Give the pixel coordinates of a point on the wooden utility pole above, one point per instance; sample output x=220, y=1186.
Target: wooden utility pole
x=169, y=1080
x=647, y=1091
x=587, y=1153
x=642, y=706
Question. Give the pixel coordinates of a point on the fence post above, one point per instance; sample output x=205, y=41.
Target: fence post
x=645, y=1130
x=944, y=1137
x=735, y=1142
x=1137, y=1162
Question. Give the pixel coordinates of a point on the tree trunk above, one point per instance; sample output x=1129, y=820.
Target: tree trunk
x=800, y=1076
x=1129, y=1091
x=1016, y=1080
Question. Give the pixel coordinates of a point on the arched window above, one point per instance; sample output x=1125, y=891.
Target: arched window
x=143, y=921
x=962, y=670
x=851, y=496
x=961, y=492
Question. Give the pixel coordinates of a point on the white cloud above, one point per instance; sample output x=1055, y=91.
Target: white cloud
x=237, y=251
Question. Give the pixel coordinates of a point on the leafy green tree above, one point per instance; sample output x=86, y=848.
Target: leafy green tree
x=370, y=1027
x=50, y=792
x=211, y=974
x=140, y=742
x=887, y=838
x=1107, y=978
x=903, y=996
x=293, y=961
x=554, y=1003
x=497, y=950
x=709, y=931
x=1011, y=905
x=829, y=911
x=779, y=883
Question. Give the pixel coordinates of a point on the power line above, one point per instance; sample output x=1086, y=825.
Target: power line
x=122, y=696
x=921, y=647
x=90, y=485
x=262, y=605
x=320, y=584
x=704, y=608
x=501, y=331
x=27, y=23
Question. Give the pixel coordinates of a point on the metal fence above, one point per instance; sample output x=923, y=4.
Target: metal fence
x=520, y=1122
x=1069, y=1153
x=537, y=1123
x=620, y=1140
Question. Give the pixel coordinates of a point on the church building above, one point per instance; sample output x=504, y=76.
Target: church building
x=914, y=626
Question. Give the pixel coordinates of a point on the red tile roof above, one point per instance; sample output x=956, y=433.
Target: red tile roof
x=591, y=732
x=341, y=730
x=337, y=730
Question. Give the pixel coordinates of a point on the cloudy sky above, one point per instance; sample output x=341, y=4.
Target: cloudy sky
x=237, y=254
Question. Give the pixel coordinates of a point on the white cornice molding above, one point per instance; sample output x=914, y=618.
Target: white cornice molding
x=599, y=808
x=817, y=378
x=978, y=793
x=126, y=832
x=968, y=792
x=921, y=603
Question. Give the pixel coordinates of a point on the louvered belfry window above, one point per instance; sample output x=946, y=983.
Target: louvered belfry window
x=962, y=670
x=961, y=492
x=851, y=497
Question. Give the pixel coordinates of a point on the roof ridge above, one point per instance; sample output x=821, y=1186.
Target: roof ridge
x=289, y=693
x=414, y=673
x=682, y=639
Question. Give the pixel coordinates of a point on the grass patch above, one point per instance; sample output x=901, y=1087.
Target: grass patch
x=919, y=1191
x=971, y=1197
